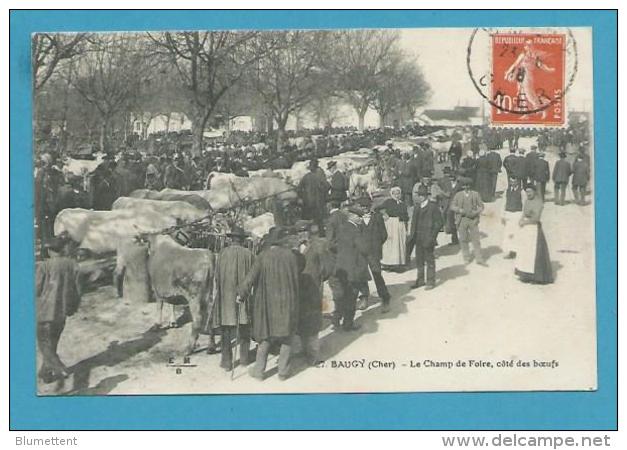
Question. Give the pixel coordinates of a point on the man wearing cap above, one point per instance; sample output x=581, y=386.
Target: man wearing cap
x=426, y=223
x=339, y=183
x=467, y=206
x=511, y=163
x=541, y=174
x=351, y=266
x=274, y=276
x=561, y=176
x=233, y=264
x=520, y=168
x=468, y=167
x=58, y=296
x=312, y=190
x=449, y=186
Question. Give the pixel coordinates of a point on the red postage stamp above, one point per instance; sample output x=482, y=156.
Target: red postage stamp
x=528, y=79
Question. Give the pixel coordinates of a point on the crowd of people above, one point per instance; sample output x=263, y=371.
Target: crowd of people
x=277, y=295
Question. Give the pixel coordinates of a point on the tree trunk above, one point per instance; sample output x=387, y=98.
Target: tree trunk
x=199, y=121
x=104, y=134
x=361, y=114
x=381, y=120
x=281, y=124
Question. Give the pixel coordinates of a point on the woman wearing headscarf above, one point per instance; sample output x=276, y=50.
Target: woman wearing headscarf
x=396, y=218
x=533, y=262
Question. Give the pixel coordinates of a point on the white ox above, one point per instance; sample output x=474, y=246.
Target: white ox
x=259, y=226
x=101, y=231
x=177, y=209
x=81, y=167
x=363, y=183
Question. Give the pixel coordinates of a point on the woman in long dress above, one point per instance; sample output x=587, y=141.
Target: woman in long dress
x=533, y=262
x=396, y=218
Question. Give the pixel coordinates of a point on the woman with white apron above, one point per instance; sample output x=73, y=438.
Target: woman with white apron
x=533, y=262
x=396, y=218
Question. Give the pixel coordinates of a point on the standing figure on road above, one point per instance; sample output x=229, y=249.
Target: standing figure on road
x=495, y=168
x=467, y=206
x=58, y=297
x=351, y=267
x=484, y=177
x=426, y=223
x=541, y=174
x=275, y=278
x=233, y=264
x=510, y=163
x=455, y=154
x=313, y=190
x=395, y=217
x=533, y=263
x=561, y=176
x=581, y=177
x=375, y=234
x=339, y=184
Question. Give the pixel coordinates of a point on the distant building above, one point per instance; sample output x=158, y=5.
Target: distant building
x=458, y=116
x=148, y=123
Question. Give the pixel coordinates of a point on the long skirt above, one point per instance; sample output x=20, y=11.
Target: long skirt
x=394, y=246
x=533, y=262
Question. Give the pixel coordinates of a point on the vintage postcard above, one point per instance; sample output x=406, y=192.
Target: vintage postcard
x=314, y=211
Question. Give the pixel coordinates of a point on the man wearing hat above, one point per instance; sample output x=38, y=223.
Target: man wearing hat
x=530, y=162
x=455, y=153
x=426, y=223
x=467, y=206
x=174, y=176
x=375, y=234
x=541, y=174
x=495, y=164
x=274, y=276
x=561, y=176
x=351, y=267
x=339, y=183
x=233, y=264
x=520, y=171
x=312, y=190
x=58, y=297
x=581, y=177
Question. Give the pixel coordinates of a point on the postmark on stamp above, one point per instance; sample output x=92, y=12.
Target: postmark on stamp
x=525, y=75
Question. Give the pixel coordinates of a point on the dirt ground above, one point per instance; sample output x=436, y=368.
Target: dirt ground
x=481, y=314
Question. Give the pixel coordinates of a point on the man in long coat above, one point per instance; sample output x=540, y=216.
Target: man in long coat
x=561, y=176
x=351, y=266
x=275, y=278
x=233, y=264
x=312, y=190
x=455, y=154
x=483, y=182
x=318, y=266
x=495, y=168
x=425, y=225
x=58, y=296
x=407, y=177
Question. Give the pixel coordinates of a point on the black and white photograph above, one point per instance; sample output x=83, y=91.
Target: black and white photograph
x=314, y=211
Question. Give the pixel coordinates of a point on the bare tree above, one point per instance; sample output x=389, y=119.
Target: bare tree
x=360, y=61
x=290, y=74
x=50, y=49
x=110, y=75
x=208, y=63
x=404, y=88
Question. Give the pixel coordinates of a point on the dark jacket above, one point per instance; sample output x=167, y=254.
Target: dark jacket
x=352, y=253
x=339, y=186
x=494, y=161
x=581, y=173
x=541, y=172
x=375, y=235
x=426, y=223
x=561, y=171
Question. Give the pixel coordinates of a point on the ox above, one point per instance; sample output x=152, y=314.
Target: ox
x=363, y=183
x=177, y=209
x=176, y=273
